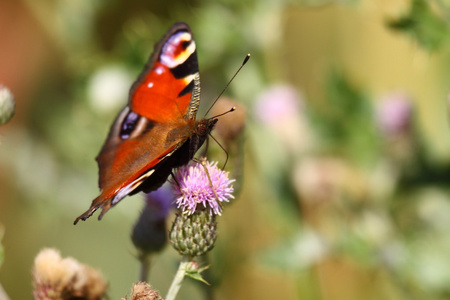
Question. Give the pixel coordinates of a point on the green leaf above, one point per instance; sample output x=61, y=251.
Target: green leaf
x=196, y=274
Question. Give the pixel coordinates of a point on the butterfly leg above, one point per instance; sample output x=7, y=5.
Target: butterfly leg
x=202, y=161
x=176, y=181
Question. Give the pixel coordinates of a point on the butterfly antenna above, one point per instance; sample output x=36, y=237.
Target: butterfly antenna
x=222, y=114
x=225, y=88
x=221, y=147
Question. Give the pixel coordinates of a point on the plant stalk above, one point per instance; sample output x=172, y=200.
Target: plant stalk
x=178, y=279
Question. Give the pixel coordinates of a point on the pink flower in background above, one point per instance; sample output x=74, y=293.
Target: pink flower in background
x=278, y=103
x=394, y=114
x=395, y=121
x=280, y=107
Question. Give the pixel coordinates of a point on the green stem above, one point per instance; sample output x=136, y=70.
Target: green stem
x=178, y=279
x=145, y=266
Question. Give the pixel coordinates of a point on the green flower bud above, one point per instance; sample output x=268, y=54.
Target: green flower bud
x=194, y=235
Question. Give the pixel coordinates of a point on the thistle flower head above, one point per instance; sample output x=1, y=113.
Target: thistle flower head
x=143, y=291
x=195, y=190
x=55, y=277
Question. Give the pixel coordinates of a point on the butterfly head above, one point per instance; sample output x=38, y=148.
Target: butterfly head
x=204, y=127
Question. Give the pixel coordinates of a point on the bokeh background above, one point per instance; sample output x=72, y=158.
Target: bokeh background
x=343, y=188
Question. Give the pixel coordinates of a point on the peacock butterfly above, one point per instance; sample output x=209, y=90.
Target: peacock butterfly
x=157, y=130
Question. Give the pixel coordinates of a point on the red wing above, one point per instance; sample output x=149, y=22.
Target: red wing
x=124, y=164
x=168, y=87
x=123, y=160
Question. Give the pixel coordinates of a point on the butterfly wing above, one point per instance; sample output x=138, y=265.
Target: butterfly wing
x=157, y=121
x=171, y=73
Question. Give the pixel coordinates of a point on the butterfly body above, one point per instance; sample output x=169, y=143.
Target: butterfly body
x=157, y=130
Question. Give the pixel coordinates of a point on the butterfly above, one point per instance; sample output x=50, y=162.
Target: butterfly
x=157, y=130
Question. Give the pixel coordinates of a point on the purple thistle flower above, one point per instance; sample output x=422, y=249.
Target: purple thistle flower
x=195, y=188
x=160, y=201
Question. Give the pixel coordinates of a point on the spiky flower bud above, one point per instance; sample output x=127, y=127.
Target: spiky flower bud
x=194, y=235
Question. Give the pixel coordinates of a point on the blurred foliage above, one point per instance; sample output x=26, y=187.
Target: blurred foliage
x=346, y=121
x=427, y=24
x=343, y=194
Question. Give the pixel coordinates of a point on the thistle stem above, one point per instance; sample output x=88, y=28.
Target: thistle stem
x=178, y=279
x=145, y=266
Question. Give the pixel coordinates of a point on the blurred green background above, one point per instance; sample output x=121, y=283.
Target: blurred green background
x=344, y=192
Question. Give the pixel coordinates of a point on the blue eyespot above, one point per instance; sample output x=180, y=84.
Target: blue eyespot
x=128, y=125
